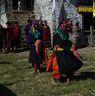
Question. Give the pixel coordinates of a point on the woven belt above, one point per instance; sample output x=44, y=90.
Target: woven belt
x=58, y=49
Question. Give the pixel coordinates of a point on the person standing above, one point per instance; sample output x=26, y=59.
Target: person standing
x=46, y=33
x=46, y=40
x=27, y=34
x=9, y=37
x=40, y=29
x=17, y=33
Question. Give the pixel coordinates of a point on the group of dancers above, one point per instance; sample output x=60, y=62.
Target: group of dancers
x=64, y=58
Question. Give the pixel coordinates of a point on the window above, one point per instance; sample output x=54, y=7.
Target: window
x=15, y=4
x=85, y=2
x=28, y=4
x=23, y=4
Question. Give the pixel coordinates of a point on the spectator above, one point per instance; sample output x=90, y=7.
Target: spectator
x=17, y=33
x=9, y=37
x=27, y=34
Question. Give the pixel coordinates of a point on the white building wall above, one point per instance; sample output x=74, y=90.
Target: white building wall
x=3, y=16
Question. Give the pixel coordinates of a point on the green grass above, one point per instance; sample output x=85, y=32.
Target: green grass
x=17, y=76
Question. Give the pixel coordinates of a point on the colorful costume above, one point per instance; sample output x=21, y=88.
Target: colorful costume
x=35, y=57
x=63, y=60
x=76, y=53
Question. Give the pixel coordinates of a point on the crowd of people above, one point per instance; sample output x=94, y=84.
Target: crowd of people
x=64, y=59
x=38, y=38
x=10, y=37
x=40, y=26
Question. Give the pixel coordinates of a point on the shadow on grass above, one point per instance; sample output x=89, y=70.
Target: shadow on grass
x=82, y=76
x=21, y=50
x=43, y=69
x=4, y=91
x=17, y=51
x=5, y=62
x=85, y=75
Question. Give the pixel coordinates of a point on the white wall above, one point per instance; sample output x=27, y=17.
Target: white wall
x=3, y=17
x=63, y=8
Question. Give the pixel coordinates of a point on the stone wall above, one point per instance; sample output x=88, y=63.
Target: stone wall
x=21, y=16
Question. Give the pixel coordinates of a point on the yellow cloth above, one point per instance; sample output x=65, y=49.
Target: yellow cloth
x=33, y=29
x=58, y=49
x=85, y=8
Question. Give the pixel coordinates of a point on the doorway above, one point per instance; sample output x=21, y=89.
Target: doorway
x=87, y=20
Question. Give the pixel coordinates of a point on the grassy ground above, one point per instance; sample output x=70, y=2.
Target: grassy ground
x=17, y=78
